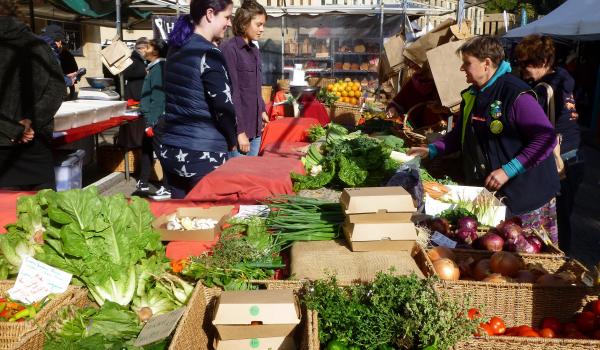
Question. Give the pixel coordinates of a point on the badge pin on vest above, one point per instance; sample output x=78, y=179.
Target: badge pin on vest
x=496, y=127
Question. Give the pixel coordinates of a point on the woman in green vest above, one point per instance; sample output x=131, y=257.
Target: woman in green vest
x=504, y=136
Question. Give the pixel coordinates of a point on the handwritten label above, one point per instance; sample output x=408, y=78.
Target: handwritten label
x=37, y=280
x=442, y=240
x=252, y=210
x=159, y=327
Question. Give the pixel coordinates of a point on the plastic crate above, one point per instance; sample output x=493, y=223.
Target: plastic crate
x=68, y=170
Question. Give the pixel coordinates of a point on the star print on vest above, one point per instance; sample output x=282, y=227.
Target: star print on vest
x=496, y=127
x=496, y=109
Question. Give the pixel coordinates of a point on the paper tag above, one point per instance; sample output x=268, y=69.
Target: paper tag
x=37, y=280
x=252, y=210
x=442, y=240
x=159, y=327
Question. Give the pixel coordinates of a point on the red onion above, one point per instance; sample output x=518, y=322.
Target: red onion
x=466, y=235
x=468, y=223
x=491, y=242
x=536, y=243
x=510, y=231
x=523, y=246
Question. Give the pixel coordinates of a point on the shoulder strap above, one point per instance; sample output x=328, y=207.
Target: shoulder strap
x=549, y=102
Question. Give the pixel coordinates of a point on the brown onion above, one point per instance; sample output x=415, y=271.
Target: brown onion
x=482, y=269
x=526, y=276
x=446, y=269
x=438, y=253
x=505, y=263
x=496, y=278
x=465, y=267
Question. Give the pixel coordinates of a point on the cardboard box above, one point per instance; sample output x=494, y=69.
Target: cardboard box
x=363, y=200
x=374, y=232
x=221, y=214
x=278, y=343
x=256, y=314
x=445, y=68
x=496, y=213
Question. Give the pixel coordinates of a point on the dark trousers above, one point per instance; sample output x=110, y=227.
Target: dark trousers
x=575, y=172
x=183, y=168
x=147, y=159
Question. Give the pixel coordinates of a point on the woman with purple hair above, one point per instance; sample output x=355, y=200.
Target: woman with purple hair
x=198, y=128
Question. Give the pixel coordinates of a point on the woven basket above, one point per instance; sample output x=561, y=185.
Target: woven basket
x=417, y=137
x=28, y=335
x=320, y=81
x=203, y=338
x=568, y=304
x=516, y=303
x=189, y=334
x=111, y=159
x=345, y=114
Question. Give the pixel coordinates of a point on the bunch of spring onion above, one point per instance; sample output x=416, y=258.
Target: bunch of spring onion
x=296, y=218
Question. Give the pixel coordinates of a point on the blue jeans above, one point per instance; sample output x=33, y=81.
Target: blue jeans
x=254, y=148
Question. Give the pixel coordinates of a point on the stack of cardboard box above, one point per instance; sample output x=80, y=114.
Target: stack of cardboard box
x=379, y=218
x=256, y=320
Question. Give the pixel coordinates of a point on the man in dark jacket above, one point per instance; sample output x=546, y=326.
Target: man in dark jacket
x=55, y=36
x=134, y=74
x=31, y=91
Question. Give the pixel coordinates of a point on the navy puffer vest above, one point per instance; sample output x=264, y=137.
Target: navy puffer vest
x=187, y=122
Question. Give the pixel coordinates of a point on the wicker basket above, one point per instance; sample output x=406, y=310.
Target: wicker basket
x=320, y=81
x=28, y=335
x=111, y=159
x=516, y=303
x=417, y=137
x=189, y=334
x=345, y=114
x=569, y=303
x=200, y=334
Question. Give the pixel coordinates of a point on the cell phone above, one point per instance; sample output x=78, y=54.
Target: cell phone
x=80, y=73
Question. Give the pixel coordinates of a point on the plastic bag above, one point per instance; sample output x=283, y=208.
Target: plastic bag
x=408, y=177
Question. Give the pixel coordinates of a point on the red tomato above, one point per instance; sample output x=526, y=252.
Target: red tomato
x=511, y=332
x=529, y=333
x=595, y=307
x=486, y=328
x=497, y=325
x=547, y=333
x=473, y=314
x=551, y=322
x=596, y=334
x=586, y=322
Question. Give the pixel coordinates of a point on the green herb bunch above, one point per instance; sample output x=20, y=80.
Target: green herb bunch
x=399, y=311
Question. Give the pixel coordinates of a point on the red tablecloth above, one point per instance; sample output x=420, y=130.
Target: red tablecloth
x=246, y=180
x=79, y=133
x=286, y=130
x=8, y=207
x=285, y=149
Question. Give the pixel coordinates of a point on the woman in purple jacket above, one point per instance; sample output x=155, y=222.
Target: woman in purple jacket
x=504, y=136
x=245, y=69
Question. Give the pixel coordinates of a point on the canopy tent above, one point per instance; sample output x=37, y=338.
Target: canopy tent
x=98, y=9
x=575, y=19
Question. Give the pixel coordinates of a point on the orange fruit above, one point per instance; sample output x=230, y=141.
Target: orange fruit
x=330, y=87
x=353, y=101
x=344, y=93
x=338, y=94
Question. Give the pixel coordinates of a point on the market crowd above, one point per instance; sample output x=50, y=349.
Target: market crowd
x=200, y=98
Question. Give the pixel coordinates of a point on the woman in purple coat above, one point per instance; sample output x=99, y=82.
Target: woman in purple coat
x=245, y=70
x=504, y=136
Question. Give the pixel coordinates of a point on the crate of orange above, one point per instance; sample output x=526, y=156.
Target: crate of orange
x=346, y=111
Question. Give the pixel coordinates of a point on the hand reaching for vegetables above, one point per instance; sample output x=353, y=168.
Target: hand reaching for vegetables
x=496, y=179
x=422, y=152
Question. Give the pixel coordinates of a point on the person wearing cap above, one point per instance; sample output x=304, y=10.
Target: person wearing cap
x=135, y=74
x=32, y=91
x=55, y=36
